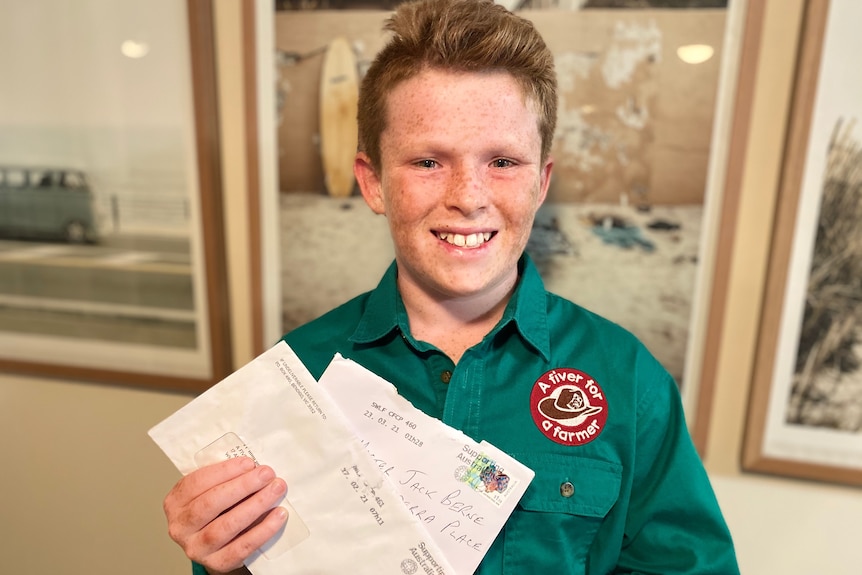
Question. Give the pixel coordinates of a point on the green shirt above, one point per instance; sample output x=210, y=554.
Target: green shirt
x=619, y=487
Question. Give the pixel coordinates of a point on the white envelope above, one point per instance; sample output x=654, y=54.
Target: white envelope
x=463, y=491
x=344, y=516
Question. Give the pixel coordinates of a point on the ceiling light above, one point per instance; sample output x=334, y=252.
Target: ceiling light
x=695, y=53
x=132, y=49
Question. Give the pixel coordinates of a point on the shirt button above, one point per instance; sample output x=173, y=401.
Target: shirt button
x=445, y=376
x=567, y=489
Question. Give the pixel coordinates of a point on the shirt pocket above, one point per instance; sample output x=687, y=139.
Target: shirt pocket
x=556, y=521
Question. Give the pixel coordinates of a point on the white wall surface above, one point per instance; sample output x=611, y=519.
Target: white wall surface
x=81, y=483
x=792, y=527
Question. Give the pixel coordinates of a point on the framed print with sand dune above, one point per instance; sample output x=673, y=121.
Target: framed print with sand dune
x=111, y=255
x=805, y=411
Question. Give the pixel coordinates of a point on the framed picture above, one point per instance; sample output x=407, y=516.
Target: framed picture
x=620, y=232
x=111, y=255
x=805, y=412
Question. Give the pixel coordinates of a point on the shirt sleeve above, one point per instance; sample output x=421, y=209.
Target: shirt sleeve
x=674, y=525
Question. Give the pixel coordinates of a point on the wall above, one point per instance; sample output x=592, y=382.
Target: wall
x=82, y=484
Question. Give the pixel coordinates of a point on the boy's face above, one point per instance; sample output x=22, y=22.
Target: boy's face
x=460, y=181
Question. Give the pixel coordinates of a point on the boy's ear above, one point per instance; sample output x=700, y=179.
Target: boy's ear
x=545, y=180
x=369, y=183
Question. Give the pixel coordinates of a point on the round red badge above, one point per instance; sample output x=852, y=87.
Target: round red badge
x=568, y=406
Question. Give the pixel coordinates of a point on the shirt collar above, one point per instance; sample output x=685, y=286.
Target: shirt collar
x=527, y=309
x=381, y=313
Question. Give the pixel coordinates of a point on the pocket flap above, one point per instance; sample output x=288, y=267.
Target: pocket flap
x=595, y=484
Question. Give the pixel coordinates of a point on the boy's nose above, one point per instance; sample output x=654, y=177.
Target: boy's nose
x=466, y=190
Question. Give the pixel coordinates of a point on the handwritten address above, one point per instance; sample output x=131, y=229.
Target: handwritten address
x=448, y=512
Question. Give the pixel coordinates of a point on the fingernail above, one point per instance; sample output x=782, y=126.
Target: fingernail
x=247, y=464
x=266, y=474
x=279, y=487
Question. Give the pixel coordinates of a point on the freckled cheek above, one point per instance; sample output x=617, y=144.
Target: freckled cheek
x=404, y=221
x=410, y=201
x=521, y=216
x=400, y=210
x=519, y=204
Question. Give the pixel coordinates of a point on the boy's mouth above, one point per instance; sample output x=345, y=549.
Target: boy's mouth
x=468, y=241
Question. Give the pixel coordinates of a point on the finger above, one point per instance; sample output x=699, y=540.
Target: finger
x=224, y=500
x=232, y=555
x=234, y=535
x=197, y=482
x=240, y=517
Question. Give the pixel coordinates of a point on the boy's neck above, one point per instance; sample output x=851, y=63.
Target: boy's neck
x=453, y=325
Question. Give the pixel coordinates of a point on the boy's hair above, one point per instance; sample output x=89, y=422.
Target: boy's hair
x=462, y=36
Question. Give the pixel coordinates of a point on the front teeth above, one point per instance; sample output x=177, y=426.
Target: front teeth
x=469, y=241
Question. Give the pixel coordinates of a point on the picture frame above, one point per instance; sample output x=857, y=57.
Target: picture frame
x=265, y=212
x=728, y=156
x=564, y=246
x=145, y=304
x=803, y=417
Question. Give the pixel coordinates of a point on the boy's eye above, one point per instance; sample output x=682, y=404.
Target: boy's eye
x=501, y=163
x=427, y=164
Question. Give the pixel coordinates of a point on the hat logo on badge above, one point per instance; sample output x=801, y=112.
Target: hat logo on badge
x=568, y=406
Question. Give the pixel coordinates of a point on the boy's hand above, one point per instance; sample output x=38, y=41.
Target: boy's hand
x=221, y=513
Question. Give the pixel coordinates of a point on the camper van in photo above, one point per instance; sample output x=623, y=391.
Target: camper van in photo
x=47, y=203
